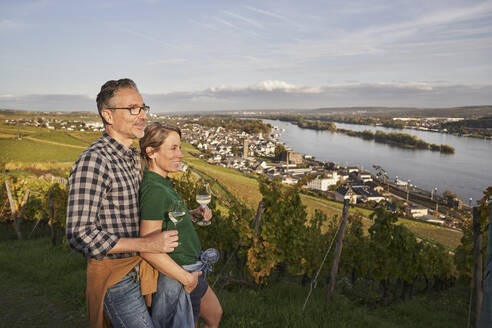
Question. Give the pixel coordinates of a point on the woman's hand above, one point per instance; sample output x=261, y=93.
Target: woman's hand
x=193, y=282
x=204, y=212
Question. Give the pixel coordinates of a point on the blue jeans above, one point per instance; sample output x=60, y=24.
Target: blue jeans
x=171, y=305
x=124, y=304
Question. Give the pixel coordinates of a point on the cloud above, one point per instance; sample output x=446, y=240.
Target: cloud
x=457, y=28
x=147, y=37
x=391, y=32
x=235, y=27
x=53, y=102
x=275, y=94
x=11, y=24
x=273, y=85
x=167, y=61
x=264, y=86
x=267, y=13
x=226, y=23
x=279, y=94
x=5, y=23
x=244, y=19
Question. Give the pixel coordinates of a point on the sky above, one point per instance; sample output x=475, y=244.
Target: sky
x=231, y=55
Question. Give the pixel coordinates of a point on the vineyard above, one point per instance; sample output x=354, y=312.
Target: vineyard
x=274, y=254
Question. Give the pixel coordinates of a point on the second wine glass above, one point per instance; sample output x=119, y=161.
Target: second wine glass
x=203, y=197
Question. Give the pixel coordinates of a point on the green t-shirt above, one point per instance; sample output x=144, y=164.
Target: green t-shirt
x=156, y=193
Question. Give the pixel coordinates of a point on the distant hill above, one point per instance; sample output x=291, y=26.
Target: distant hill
x=467, y=112
x=25, y=114
x=385, y=112
x=482, y=123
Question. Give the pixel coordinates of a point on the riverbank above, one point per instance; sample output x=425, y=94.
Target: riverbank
x=470, y=122
x=402, y=140
x=463, y=172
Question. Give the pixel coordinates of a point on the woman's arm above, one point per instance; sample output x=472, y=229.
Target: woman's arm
x=163, y=262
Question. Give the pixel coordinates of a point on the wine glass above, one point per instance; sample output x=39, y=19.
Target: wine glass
x=203, y=197
x=177, y=211
x=182, y=167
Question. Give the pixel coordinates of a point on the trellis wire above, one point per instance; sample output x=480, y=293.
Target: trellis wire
x=314, y=283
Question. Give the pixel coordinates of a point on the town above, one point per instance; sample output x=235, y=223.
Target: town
x=262, y=154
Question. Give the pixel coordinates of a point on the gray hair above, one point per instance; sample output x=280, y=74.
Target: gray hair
x=108, y=90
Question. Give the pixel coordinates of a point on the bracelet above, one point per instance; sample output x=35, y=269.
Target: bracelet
x=192, y=217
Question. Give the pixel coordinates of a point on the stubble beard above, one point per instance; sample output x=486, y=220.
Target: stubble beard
x=140, y=130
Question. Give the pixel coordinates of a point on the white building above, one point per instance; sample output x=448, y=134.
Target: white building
x=417, y=211
x=289, y=180
x=365, y=176
x=95, y=125
x=333, y=177
x=321, y=184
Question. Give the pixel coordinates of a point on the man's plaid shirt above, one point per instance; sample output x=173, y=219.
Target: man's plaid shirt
x=103, y=198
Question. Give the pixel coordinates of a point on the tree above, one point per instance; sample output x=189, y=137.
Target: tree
x=281, y=242
x=279, y=151
x=55, y=206
x=381, y=173
x=355, y=261
x=381, y=234
x=319, y=233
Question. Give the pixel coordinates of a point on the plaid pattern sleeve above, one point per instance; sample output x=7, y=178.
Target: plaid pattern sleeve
x=103, y=199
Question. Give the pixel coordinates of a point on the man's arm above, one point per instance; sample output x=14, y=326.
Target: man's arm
x=163, y=262
x=88, y=182
x=157, y=242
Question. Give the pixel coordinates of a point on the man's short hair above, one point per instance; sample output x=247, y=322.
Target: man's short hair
x=108, y=90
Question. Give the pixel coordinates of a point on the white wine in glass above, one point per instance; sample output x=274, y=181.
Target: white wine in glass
x=203, y=197
x=176, y=211
x=182, y=167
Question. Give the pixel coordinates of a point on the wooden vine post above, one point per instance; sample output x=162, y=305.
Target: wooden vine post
x=258, y=218
x=52, y=218
x=339, y=246
x=17, y=213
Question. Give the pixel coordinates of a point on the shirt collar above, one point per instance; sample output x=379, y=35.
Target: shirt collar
x=156, y=176
x=119, y=148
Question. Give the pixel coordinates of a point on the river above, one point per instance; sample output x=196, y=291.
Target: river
x=467, y=172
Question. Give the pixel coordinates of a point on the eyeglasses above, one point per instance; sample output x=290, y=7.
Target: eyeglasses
x=135, y=110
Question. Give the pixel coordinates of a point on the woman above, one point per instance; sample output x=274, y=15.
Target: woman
x=161, y=154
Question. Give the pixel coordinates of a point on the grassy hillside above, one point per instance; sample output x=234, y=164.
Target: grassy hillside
x=12, y=114
x=26, y=150
x=42, y=145
x=245, y=189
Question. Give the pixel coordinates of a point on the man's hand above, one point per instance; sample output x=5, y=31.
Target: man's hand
x=192, y=284
x=161, y=241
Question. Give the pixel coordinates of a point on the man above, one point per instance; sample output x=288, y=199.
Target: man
x=103, y=215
